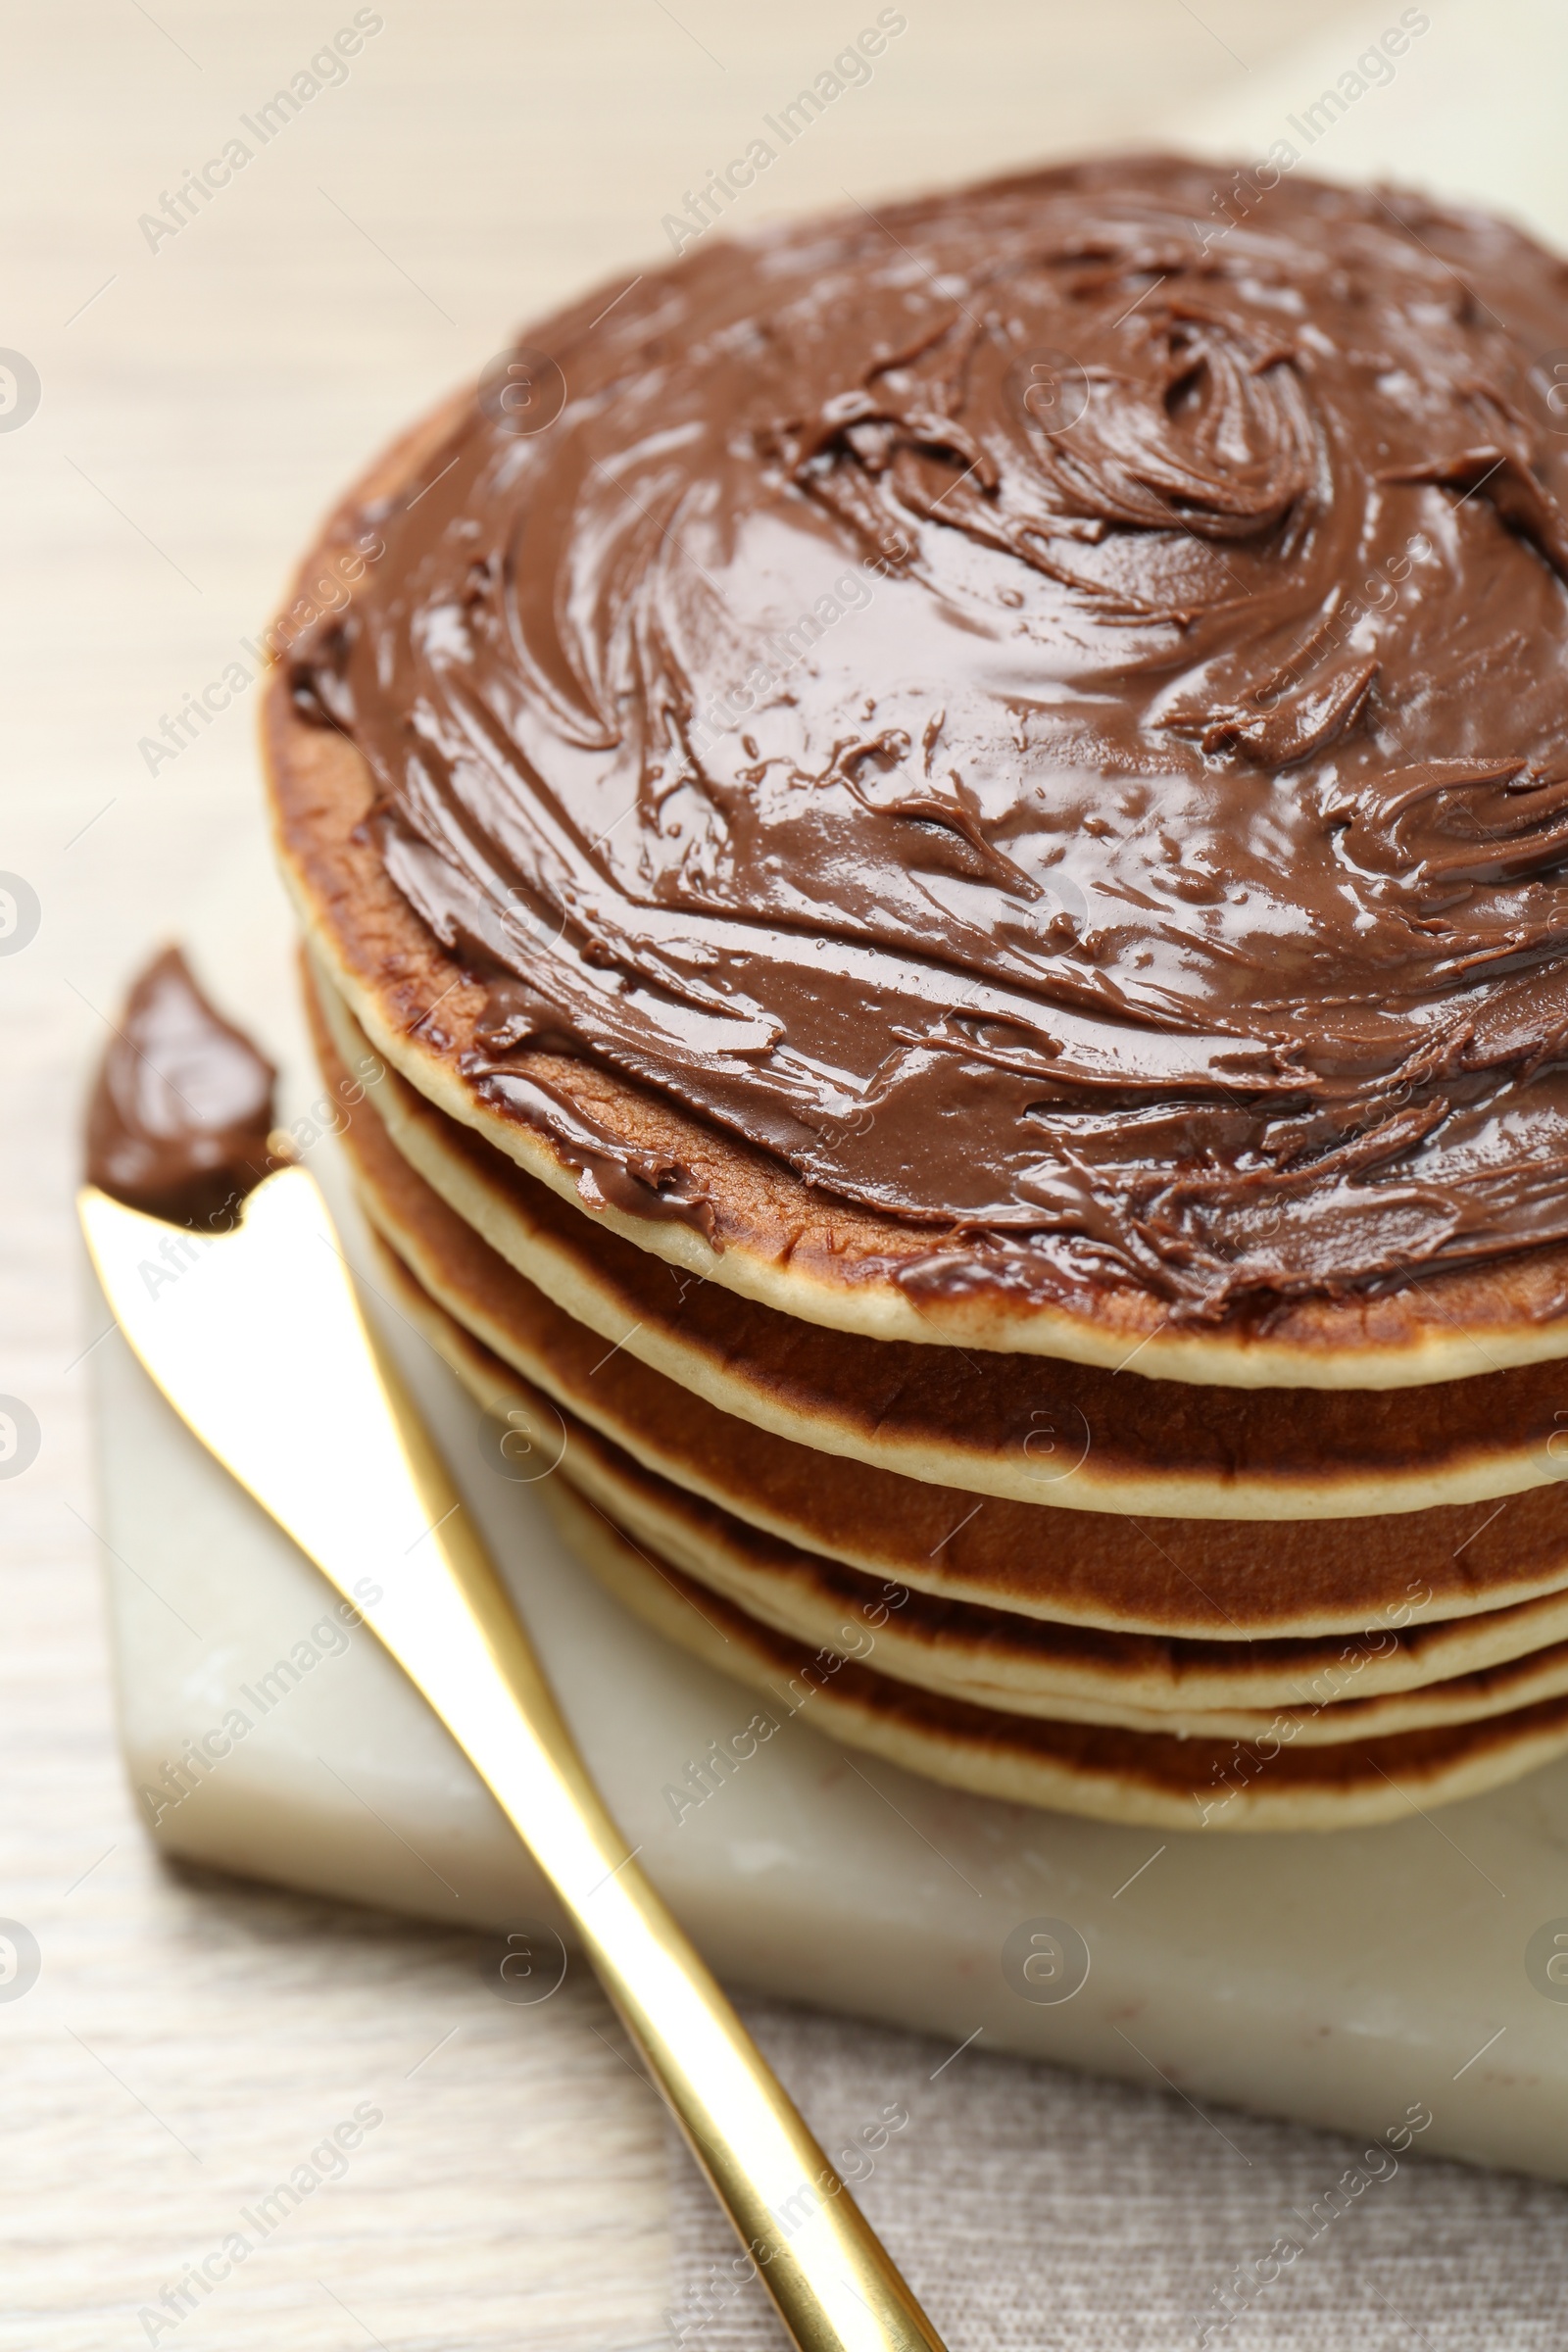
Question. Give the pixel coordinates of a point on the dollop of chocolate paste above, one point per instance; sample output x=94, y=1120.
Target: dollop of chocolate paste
x=1046, y=713
x=179, y=1118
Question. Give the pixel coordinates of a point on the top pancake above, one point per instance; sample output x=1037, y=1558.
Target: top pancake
x=728, y=1188
x=1046, y=1434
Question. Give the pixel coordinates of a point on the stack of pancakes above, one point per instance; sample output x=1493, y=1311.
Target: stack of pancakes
x=1154, y=1514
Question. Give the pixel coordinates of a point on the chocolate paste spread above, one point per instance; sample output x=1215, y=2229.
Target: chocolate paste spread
x=1045, y=711
x=179, y=1118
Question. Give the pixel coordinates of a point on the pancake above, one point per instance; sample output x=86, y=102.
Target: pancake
x=1388, y=1677
x=992, y=1660
x=1211, y=1577
x=1014, y=1663
x=1217, y=1579
x=1109, y=1775
x=1195, y=988
x=1023, y=1427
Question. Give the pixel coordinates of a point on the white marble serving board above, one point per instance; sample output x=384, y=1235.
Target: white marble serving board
x=1340, y=1978
x=1346, y=1979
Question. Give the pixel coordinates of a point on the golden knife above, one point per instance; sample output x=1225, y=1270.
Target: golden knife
x=262, y=1349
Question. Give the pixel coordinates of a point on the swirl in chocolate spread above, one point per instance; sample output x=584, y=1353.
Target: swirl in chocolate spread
x=179, y=1118
x=1127, y=833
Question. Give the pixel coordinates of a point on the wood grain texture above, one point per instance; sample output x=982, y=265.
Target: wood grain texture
x=190, y=2043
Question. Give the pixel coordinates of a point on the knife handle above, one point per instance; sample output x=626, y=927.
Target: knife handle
x=459, y=1640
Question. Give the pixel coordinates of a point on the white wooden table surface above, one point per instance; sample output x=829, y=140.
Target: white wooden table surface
x=201, y=397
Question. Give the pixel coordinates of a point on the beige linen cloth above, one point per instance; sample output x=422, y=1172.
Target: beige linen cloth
x=1032, y=2209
